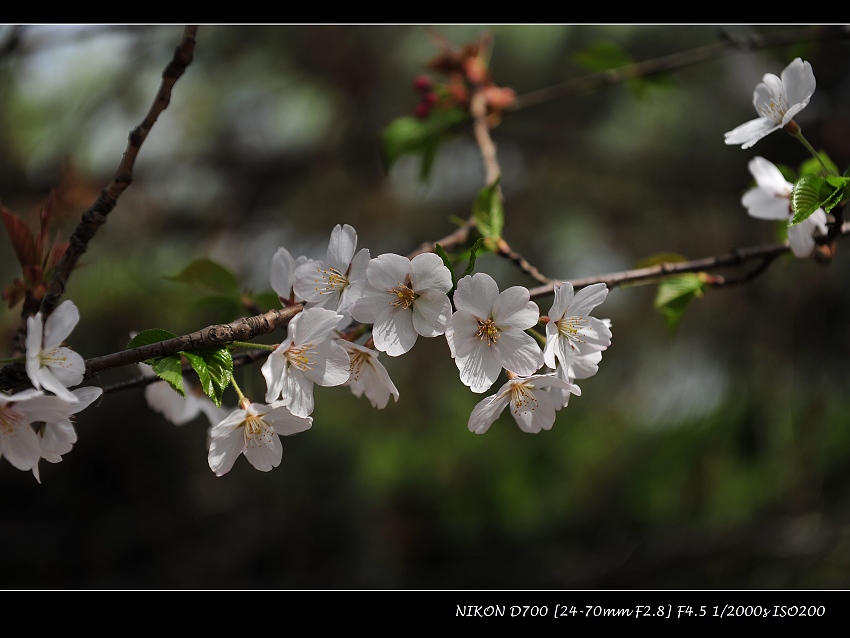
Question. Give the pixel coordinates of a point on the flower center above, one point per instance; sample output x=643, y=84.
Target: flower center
x=257, y=431
x=331, y=281
x=404, y=296
x=301, y=357
x=775, y=109
x=357, y=360
x=487, y=330
x=522, y=398
x=570, y=328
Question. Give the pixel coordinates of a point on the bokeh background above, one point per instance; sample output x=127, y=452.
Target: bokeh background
x=717, y=458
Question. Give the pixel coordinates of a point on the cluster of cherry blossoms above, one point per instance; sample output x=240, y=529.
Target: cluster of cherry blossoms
x=37, y=423
x=778, y=100
x=402, y=299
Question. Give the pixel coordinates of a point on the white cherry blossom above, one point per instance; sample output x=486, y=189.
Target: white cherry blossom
x=338, y=281
x=282, y=274
x=368, y=375
x=487, y=334
x=48, y=364
x=252, y=430
x=771, y=199
x=532, y=406
x=777, y=101
x=56, y=435
x=571, y=331
x=405, y=298
x=307, y=356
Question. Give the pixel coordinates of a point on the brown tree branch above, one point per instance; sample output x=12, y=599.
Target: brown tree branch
x=677, y=61
x=243, y=329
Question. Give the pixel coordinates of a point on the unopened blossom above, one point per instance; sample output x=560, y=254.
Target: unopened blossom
x=338, y=280
x=777, y=101
x=771, y=199
x=487, y=334
x=405, y=298
x=49, y=365
x=531, y=405
x=56, y=434
x=253, y=429
x=307, y=356
x=282, y=274
x=571, y=331
x=178, y=409
x=368, y=375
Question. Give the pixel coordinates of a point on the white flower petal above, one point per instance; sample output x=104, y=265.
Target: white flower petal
x=341, y=247
x=520, y=353
x=60, y=324
x=285, y=423
x=393, y=331
x=371, y=304
x=476, y=294
x=799, y=82
x=480, y=367
x=227, y=443
x=331, y=365
x=273, y=371
x=513, y=308
x=57, y=439
x=588, y=298
x=387, y=271
x=428, y=272
x=282, y=273
x=762, y=204
x=536, y=415
x=264, y=451
x=487, y=411
x=750, y=132
x=297, y=392
x=431, y=313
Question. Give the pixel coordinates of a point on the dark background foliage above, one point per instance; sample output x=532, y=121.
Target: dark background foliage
x=715, y=459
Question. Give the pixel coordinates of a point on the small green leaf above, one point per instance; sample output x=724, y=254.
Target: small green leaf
x=440, y=251
x=489, y=214
x=813, y=167
x=414, y=136
x=660, y=258
x=169, y=369
x=675, y=295
x=214, y=367
x=472, y=254
x=147, y=337
x=807, y=196
x=206, y=273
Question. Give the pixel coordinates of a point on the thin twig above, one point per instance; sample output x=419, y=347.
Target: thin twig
x=737, y=257
x=677, y=61
x=95, y=216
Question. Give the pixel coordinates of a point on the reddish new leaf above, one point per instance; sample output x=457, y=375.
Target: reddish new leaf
x=21, y=237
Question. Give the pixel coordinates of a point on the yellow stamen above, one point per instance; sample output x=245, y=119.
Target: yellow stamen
x=487, y=330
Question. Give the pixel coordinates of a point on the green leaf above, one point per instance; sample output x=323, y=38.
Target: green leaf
x=489, y=214
x=169, y=369
x=675, y=295
x=214, y=367
x=813, y=167
x=414, y=136
x=147, y=337
x=206, y=273
x=813, y=191
x=472, y=254
x=660, y=258
x=807, y=195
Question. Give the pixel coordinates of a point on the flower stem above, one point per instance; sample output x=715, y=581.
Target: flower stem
x=4, y=362
x=799, y=135
x=238, y=390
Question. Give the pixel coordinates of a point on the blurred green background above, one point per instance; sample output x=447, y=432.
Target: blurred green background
x=716, y=459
